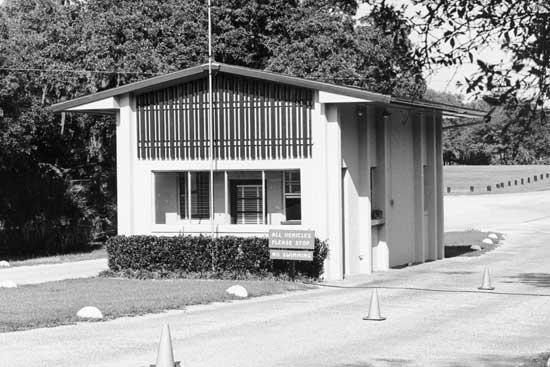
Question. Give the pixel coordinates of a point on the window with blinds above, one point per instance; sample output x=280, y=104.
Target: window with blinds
x=194, y=195
x=247, y=203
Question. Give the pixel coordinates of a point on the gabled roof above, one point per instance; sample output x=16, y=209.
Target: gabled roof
x=201, y=70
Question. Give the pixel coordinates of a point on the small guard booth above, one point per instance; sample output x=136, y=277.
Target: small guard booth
x=362, y=170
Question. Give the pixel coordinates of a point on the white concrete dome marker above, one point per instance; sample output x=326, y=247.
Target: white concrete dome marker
x=89, y=312
x=488, y=241
x=493, y=236
x=238, y=291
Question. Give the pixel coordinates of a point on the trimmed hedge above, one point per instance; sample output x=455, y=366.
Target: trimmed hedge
x=200, y=256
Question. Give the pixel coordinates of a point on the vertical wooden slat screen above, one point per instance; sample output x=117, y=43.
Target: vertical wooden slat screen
x=252, y=119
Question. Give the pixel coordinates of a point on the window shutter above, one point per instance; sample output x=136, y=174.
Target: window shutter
x=200, y=194
x=184, y=195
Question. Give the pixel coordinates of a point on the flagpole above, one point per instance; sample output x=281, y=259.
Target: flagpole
x=210, y=124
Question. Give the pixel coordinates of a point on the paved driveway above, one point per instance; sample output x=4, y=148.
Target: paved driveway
x=33, y=274
x=435, y=315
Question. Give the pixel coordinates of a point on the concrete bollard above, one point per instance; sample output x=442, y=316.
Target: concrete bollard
x=471, y=189
x=489, y=188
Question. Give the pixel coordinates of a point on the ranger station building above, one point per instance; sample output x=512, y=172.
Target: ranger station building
x=361, y=169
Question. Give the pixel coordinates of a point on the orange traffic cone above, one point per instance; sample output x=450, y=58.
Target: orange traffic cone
x=374, y=309
x=486, y=282
x=165, y=356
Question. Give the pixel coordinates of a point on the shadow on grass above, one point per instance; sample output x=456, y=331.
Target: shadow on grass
x=535, y=279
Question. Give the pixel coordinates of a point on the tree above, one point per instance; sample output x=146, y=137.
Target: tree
x=512, y=137
x=333, y=47
x=54, y=50
x=454, y=31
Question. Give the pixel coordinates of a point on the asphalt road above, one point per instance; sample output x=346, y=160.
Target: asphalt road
x=435, y=314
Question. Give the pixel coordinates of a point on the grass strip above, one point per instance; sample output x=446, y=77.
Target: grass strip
x=56, y=303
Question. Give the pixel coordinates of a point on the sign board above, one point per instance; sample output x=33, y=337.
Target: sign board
x=287, y=244
x=275, y=254
x=291, y=239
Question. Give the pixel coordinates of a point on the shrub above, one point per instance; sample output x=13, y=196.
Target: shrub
x=200, y=256
x=39, y=215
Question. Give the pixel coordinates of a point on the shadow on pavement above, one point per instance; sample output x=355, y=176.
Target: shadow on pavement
x=489, y=360
x=456, y=272
x=534, y=279
x=355, y=364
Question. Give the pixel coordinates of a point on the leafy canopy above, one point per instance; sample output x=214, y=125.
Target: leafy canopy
x=53, y=50
x=455, y=31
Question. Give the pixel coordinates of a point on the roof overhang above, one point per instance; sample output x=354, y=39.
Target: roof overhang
x=446, y=109
x=107, y=101
x=107, y=105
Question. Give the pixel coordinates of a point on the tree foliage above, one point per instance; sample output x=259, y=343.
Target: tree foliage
x=54, y=50
x=513, y=136
x=455, y=31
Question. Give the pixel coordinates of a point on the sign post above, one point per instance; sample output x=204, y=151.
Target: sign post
x=293, y=245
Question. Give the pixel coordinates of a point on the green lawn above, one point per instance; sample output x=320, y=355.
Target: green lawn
x=56, y=303
x=460, y=178
x=97, y=253
x=457, y=243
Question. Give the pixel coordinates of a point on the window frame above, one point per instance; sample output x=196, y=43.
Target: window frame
x=189, y=177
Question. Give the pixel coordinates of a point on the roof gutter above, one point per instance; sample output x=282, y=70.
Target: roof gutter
x=447, y=109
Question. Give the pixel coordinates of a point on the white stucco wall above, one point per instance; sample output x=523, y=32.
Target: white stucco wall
x=337, y=207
